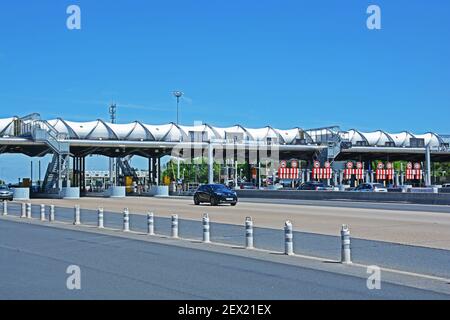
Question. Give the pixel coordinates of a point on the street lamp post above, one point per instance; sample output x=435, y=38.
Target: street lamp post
x=178, y=95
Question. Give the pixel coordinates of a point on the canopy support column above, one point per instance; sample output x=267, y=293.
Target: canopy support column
x=428, y=163
x=210, y=163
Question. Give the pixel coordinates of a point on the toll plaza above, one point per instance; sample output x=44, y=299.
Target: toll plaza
x=261, y=156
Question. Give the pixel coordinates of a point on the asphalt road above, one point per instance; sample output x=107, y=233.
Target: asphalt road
x=34, y=260
x=398, y=225
x=404, y=257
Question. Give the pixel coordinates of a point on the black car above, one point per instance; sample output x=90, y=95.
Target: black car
x=215, y=194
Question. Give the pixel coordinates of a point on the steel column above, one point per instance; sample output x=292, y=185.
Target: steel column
x=428, y=163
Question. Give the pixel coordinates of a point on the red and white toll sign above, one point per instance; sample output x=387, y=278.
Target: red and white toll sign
x=283, y=164
x=389, y=165
x=380, y=165
x=350, y=172
x=414, y=174
x=385, y=174
x=316, y=164
x=288, y=173
x=327, y=164
x=322, y=173
x=294, y=164
x=359, y=165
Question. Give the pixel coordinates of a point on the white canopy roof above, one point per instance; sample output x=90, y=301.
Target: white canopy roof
x=402, y=139
x=381, y=138
x=431, y=139
x=137, y=131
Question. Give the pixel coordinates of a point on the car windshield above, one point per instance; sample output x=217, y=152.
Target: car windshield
x=378, y=185
x=219, y=187
x=4, y=188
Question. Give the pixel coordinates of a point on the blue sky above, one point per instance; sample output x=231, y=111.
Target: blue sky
x=283, y=63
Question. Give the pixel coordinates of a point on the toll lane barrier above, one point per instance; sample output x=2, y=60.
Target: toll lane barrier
x=206, y=227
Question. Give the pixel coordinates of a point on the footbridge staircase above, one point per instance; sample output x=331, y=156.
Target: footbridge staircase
x=33, y=127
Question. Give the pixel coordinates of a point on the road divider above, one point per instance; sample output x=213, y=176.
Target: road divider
x=23, y=214
x=42, y=212
x=126, y=220
x=77, y=216
x=206, y=234
x=26, y=212
x=51, y=216
x=175, y=226
x=150, y=224
x=288, y=239
x=249, y=233
x=100, y=221
x=346, y=256
x=5, y=208
x=29, y=216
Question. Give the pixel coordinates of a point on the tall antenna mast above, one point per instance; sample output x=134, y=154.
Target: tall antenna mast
x=113, y=112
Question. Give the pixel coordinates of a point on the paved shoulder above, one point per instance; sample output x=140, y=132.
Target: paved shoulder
x=35, y=260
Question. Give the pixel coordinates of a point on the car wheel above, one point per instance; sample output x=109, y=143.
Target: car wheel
x=214, y=201
x=233, y=204
x=196, y=200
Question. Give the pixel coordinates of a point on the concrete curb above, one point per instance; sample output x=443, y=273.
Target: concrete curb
x=414, y=198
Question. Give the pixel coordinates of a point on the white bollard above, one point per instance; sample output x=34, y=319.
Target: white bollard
x=28, y=210
x=51, y=216
x=150, y=224
x=5, y=208
x=175, y=226
x=77, y=217
x=346, y=256
x=248, y=233
x=206, y=234
x=126, y=220
x=100, y=222
x=42, y=212
x=24, y=211
x=288, y=239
